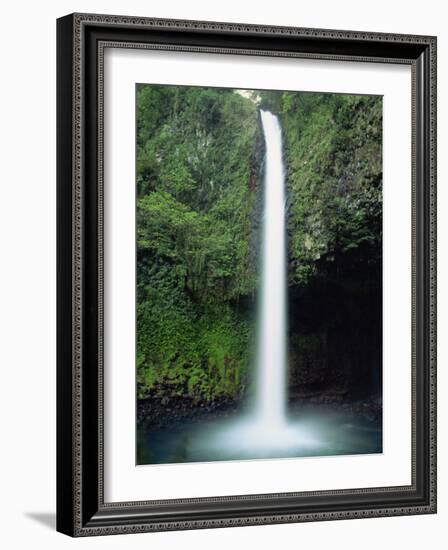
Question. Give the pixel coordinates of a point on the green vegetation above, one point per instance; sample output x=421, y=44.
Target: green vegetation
x=199, y=172
x=196, y=158
x=333, y=151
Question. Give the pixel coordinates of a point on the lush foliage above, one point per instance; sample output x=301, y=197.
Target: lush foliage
x=333, y=151
x=196, y=159
x=199, y=172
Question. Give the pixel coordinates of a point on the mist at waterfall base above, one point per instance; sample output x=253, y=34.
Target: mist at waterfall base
x=265, y=426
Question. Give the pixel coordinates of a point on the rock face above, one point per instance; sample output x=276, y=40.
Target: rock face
x=335, y=328
x=160, y=412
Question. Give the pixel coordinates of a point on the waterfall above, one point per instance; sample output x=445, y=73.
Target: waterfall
x=267, y=431
x=270, y=373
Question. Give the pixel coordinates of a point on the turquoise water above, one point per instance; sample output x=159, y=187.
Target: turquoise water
x=316, y=432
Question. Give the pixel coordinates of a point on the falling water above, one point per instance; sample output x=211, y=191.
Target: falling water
x=267, y=430
x=270, y=387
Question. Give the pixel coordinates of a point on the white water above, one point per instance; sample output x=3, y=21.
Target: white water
x=270, y=381
x=267, y=431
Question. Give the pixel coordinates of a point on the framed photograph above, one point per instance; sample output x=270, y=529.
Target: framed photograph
x=246, y=274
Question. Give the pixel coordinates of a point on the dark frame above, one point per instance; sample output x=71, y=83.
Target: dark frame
x=81, y=39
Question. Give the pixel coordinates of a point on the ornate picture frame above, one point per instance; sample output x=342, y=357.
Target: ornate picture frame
x=81, y=506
